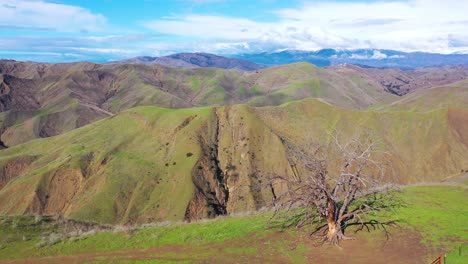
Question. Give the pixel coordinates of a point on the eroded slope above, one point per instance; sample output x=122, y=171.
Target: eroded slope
x=42, y=100
x=151, y=164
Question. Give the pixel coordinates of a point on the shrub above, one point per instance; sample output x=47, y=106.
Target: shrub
x=50, y=240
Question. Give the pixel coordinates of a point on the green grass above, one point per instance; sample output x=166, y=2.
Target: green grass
x=458, y=256
x=437, y=213
x=195, y=83
x=178, y=234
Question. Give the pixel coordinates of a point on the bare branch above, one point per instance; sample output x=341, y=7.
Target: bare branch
x=339, y=199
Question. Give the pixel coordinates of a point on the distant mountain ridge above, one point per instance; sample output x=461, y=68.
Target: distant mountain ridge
x=43, y=100
x=364, y=57
x=195, y=60
x=401, y=82
x=374, y=58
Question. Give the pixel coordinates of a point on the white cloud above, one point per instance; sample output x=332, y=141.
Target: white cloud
x=208, y=27
x=42, y=15
x=423, y=25
x=102, y=50
x=376, y=55
x=396, y=57
x=62, y=49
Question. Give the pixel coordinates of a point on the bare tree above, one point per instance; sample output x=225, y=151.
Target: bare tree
x=334, y=195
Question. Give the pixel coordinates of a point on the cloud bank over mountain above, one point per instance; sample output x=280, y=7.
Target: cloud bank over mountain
x=75, y=30
x=422, y=25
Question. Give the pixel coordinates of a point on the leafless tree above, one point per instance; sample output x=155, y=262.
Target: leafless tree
x=334, y=196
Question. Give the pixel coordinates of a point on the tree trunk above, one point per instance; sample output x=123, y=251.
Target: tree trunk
x=334, y=233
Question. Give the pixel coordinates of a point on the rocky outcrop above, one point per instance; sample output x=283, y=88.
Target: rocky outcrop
x=13, y=168
x=235, y=171
x=55, y=192
x=5, y=98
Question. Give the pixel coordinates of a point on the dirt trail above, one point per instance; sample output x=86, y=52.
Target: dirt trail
x=97, y=108
x=279, y=247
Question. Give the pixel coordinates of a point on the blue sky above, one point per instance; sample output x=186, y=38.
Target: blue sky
x=103, y=30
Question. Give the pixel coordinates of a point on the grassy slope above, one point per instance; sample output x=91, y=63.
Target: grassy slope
x=126, y=167
x=452, y=95
x=405, y=135
x=135, y=166
x=273, y=86
x=302, y=80
x=54, y=105
x=70, y=96
x=437, y=213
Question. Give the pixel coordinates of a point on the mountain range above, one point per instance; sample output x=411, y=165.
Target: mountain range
x=373, y=58
x=42, y=100
x=134, y=143
x=194, y=60
x=365, y=57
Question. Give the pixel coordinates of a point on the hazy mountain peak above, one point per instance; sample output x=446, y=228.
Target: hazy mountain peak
x=381, y=58
x=195, y=60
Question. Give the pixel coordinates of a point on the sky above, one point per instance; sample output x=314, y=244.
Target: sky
x=104, y=30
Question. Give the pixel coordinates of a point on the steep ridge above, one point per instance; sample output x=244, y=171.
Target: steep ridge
x=152, y=164
x=401, y=82
x=42, y=100
x=33, y=70
x=211, y=60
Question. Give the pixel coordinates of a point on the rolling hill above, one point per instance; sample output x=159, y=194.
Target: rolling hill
x=450, y=95
x=41, y=100
x=401, y=82
x=152, y=164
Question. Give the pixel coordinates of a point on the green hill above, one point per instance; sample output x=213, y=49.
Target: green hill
x=451, y=95
x=42, y=100
x=151, y=164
